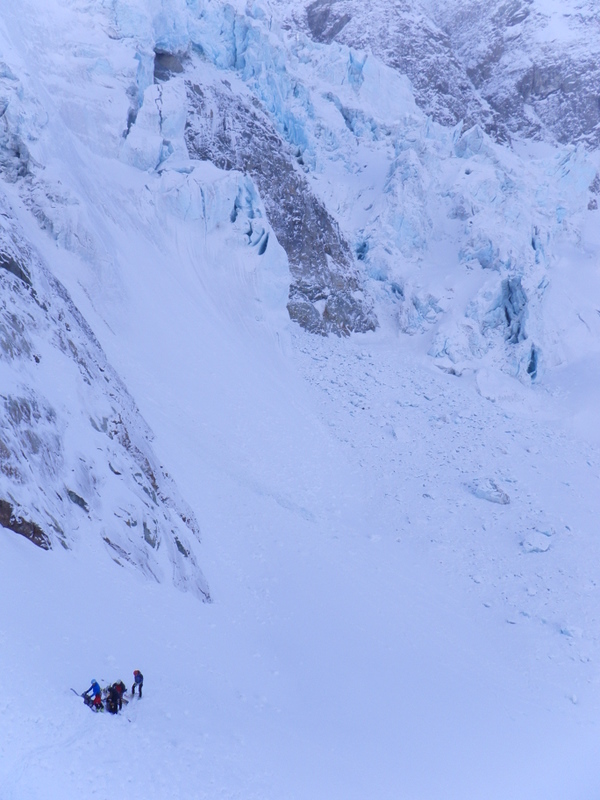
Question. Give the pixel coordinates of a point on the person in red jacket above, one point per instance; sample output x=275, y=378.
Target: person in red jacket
x=120, y=689
x=138, y=680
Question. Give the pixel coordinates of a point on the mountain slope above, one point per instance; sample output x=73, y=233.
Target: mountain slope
x=398, y=522
x=534, y=62
x=524, y=69
x=76, y=455
x=405, y=37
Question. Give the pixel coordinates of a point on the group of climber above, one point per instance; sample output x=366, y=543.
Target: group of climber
x=112, y=695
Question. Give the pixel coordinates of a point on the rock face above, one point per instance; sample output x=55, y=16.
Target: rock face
x=325, y=293
x=510, y=66
x=538, y=69
x=75, y=454
x=406, y=38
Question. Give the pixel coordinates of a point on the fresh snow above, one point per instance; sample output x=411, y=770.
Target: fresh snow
x=399, y=529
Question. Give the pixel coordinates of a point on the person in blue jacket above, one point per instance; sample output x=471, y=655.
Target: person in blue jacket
x=96, y=694
x=138, y=680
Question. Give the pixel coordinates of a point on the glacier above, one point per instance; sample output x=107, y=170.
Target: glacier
x=300, y=319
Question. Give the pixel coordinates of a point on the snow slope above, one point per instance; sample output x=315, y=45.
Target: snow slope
x=399, y=527
x=377, y=627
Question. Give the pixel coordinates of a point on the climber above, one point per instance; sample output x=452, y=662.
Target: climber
x=112, y=699
x=138, y=680
x=93, y=696
x=115, y=696
x=120, y=689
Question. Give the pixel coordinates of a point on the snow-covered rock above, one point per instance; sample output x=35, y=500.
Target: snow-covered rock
x=534, y=62
x=536, y=542
x=76, y=459
x=488, y=489
x=406, y=37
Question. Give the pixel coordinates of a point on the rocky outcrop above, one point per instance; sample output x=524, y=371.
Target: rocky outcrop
x=537, y=68
x=75, y=455
x=326, y=291
x=511, y=66
x=25, y=528
x=406, y=38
